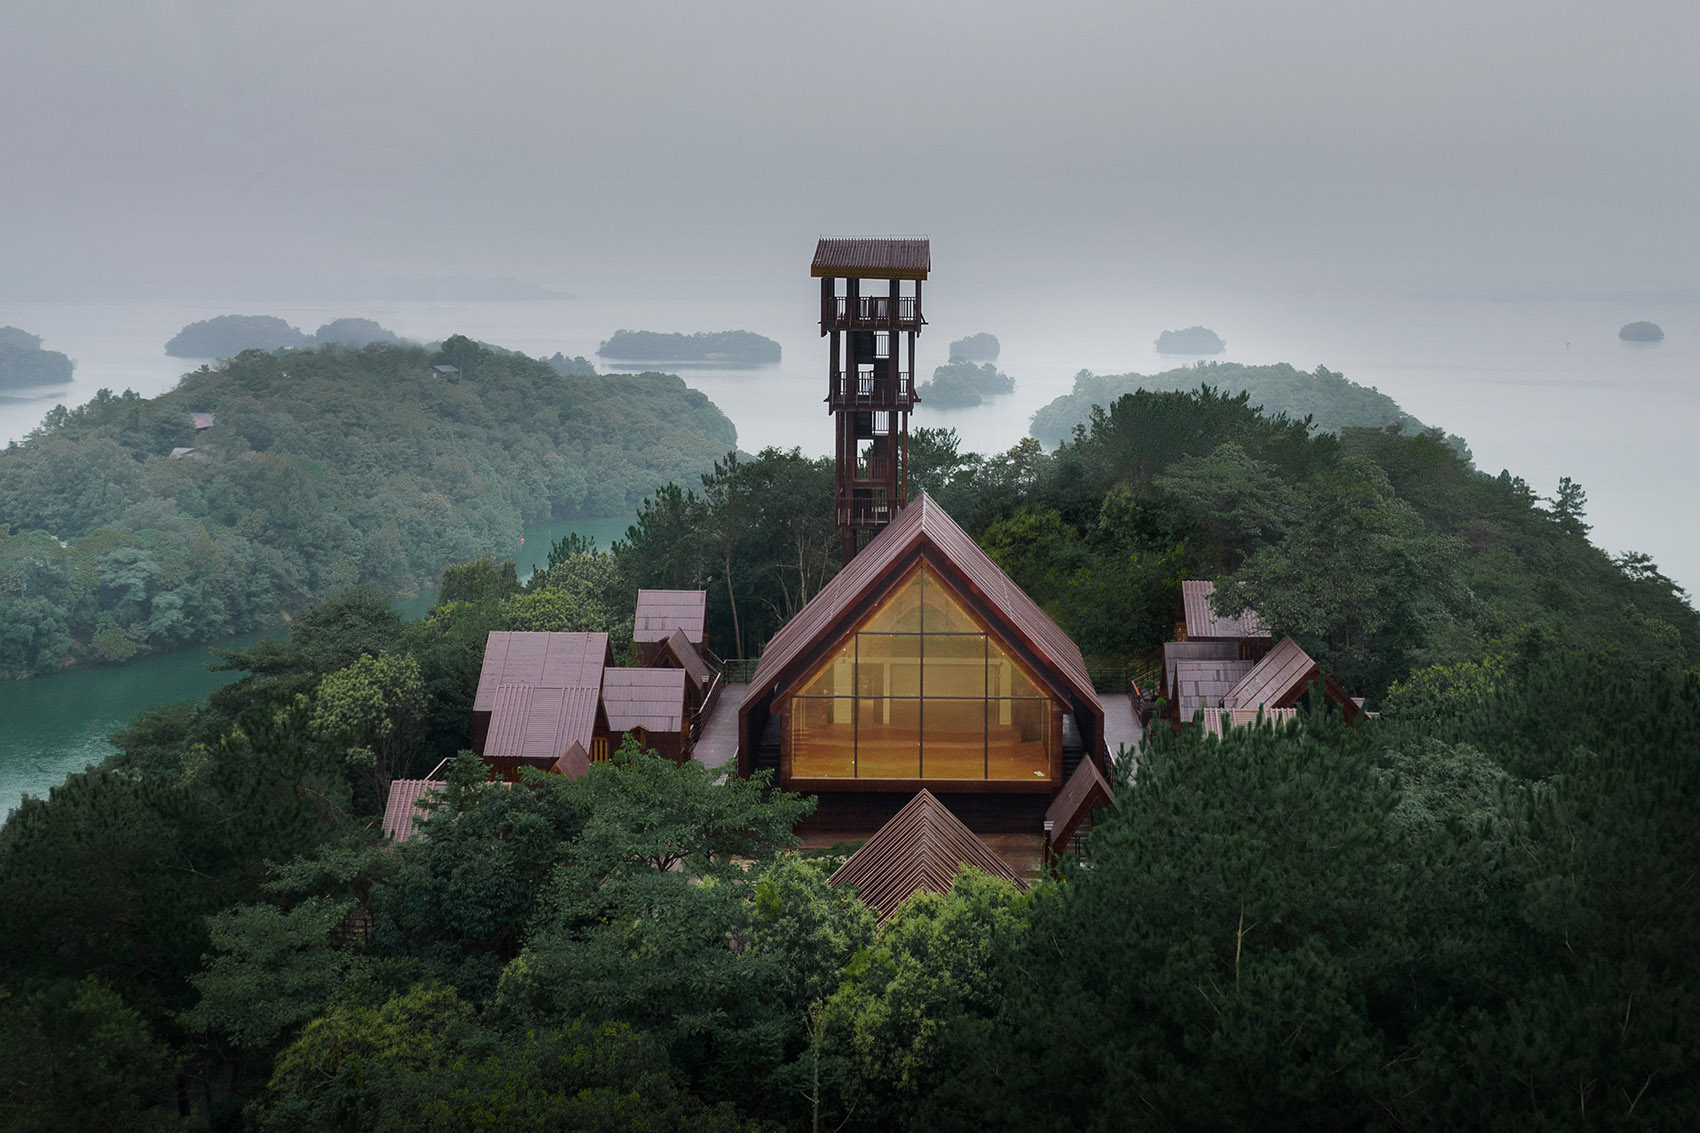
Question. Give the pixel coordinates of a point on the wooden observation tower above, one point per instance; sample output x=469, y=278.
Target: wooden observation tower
x=870, y=306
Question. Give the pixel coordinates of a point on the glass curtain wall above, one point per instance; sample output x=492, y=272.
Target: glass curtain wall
x=921, y=691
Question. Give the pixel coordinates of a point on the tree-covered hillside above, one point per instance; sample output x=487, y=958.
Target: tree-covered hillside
x=24, y=363
x=324, y=469
x=1325, y=396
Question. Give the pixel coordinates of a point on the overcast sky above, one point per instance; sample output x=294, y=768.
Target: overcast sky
x=196, y=147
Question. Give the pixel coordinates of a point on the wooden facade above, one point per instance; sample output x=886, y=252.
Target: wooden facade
x=870, y=309
x=650, y=705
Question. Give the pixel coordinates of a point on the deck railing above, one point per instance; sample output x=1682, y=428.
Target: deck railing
x=869, y=387
x=875, y=309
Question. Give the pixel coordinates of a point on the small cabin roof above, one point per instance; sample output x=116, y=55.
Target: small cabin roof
x=652, y=699
x=537, y=725
x=1175, y=652
x=180, y=452
x=872, y=257
x=540, y=660
x=445, y=371
x=685, y=655
x=1203, y=623
x=202, y=420
x=1204, y=684
x=1281, y=678
x=922, y=846
x=660, y=612
x=1086, y=791
x=402, y=809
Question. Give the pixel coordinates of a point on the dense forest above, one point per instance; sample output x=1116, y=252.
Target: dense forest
x=981, y=347
x=727, y=347
x=24, y=363
x=323, y=469
x=1476, y=909
x=960, y=383
x=1192, y=340
x=1327, y=397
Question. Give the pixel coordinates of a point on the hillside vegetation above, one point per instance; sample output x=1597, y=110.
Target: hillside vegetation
x=24, y=363
x=1326, y=396
x=727, y=347
x=326, y=468
x=225, y=336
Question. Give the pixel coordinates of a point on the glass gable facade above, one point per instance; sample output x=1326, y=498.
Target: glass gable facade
x=921, y=691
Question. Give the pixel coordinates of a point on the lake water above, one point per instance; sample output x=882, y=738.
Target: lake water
x=1542, y=388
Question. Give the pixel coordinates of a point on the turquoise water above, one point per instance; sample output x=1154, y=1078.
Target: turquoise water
x=53, y=726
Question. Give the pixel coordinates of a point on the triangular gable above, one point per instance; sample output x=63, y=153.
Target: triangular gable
x=1280, y=679
x=682, y=653
x=1085, y=792
x=924, y=532
x=574, y=762
x=920, y=847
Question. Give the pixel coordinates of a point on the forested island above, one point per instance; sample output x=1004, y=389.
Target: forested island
x=1641, y=332
x=225, y=336
x=1192, y=340
x=720, y=348
x=577, y=366
x=958, y=384
x=1327, y=397
x=132, y=527
x=1469, y=911
x=23, y=363
x=980, y=347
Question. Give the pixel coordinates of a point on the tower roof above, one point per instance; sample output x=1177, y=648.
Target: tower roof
x=872, y=257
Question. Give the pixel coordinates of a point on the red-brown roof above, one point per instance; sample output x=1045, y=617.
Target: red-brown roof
x=1176, y=651
x=1204, y=684
x=1086, y=791
x=1281, y=678
x=924, y=530
x=922, y=846
x=685, y=656
x=652, y=699
x=1204, y=624
x=660, y=612
x=872, y=257
x=402, y=809
x=540, y=660
x=535, y=725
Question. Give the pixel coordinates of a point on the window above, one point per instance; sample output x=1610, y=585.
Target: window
x=921, y=691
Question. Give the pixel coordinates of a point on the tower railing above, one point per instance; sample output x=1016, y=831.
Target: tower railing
x=870, y=389
x=875, y=309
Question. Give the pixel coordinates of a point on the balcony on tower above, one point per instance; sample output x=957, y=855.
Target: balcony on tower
x=871, y=284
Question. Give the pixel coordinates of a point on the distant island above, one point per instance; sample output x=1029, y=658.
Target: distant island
x=1642, y=332
x=24, y=363
x=226, y=336
x=723, y=348
x=959, y=384
x=267, y=481
x=1192, y=340
x=975, y=348
x=574, y=367
x=1326, y=396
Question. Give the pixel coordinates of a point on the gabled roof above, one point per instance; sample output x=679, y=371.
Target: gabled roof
x=1281, y=678
x=685, y=655
x=1086, y=791
x=923, y=530
x=652, y=699
x=540, y=660
x=872, y=257
x=920, y=847
x=201, y=420
x=402, y=809
x=535, y=725
x=1203, y=624
x=1177, y=651
x=1204, y=684
x=660, y=612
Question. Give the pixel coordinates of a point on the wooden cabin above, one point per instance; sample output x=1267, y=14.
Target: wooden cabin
x=661, y=614
x=921, y=665
x=651, y=706
x=539, y=701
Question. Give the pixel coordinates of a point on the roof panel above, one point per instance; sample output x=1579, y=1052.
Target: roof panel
x=652, y=699
x=536, y=725
x=1202, y=622
x=1277, y=680
x=541, y=660
x=660, y=612
x=872, y=257
x=920, y=847
x=402, y=809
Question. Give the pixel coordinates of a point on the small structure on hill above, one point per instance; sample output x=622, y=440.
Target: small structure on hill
x=921, y=847
x=538, y=695
x=650, y=706
x=661, y=613
x=446, y=371
x=201, y=421
x=403, y=808
x=1069, y=818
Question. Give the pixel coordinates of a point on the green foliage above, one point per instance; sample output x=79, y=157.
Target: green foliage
x=74, y=1057
x=980, y=347
x=482, y=580
x=327, y=469
x=580, y=592
x=1192, y=340
x=923, y=993
x=24, y=363
x=373, y=711
x=960, y=383
x=226, y=336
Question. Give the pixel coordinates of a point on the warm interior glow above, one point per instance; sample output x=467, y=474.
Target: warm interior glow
x=921, y=691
